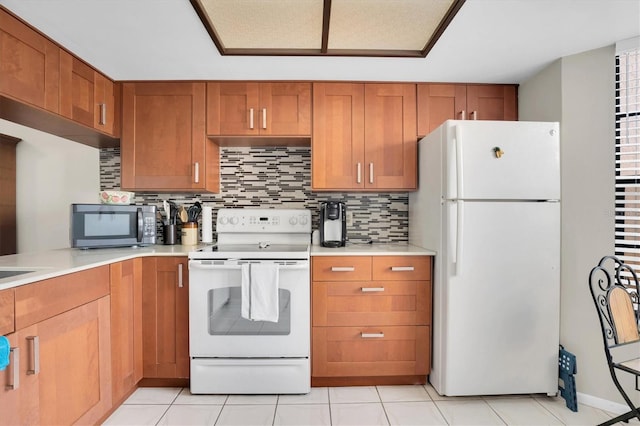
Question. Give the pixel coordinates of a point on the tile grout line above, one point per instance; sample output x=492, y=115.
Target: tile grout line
x=384, y=410
x=551, y=412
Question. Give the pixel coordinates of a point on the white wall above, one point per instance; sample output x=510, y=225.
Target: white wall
x=51, y=173
x=578, y=91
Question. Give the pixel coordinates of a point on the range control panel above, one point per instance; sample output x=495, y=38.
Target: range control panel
x=264, y=220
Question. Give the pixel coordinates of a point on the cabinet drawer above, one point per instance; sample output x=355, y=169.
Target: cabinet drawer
x=370, y=351
x=371, y=303
x=6, y=312
x=405, y=268
x=341, y=268
x=47, y=298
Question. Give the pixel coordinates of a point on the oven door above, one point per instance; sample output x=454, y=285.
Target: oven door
x=216, y=328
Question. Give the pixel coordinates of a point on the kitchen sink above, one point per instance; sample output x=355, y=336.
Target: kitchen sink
x=12, y=273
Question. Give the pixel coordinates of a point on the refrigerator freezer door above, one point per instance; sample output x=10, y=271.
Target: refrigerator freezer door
x=502, y=160
x=496, y=309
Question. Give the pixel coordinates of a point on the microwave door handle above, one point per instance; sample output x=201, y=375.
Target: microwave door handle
x=140, y=224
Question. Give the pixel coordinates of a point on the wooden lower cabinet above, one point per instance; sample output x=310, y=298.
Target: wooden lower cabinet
x=371, y=351
x=165, y=316
x=7, y=313
x=126, y=327
x=371, y=319
x=64, y=371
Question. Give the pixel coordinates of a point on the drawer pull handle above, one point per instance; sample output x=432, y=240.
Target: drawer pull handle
x=372, y=335
x=15, y=371
x=343, y=268
x=371, y=289
x=402, y=269
x=35, y=354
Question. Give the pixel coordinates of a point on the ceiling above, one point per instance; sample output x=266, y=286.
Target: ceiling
x=400, y=28
x=488, y=41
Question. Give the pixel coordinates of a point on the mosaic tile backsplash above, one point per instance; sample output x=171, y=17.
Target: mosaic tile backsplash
x=279, y=177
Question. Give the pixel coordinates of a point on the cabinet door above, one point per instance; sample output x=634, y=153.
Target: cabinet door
x=165, y=314
x=107, y=105
x=285, y=109
x=492, y=102
x=438, y=103
x=8, y=214
x=65, y=368
x=18, y=391
x=77, y=88
x=391, y=145
x=164, y=146
x=232, y=109
x=29, y=64
x=7, y=311
x=337, y=145
x=370, y=351
x=126, y=326
x=371, y=303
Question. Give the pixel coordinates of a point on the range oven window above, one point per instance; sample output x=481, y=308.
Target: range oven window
x=224, y=307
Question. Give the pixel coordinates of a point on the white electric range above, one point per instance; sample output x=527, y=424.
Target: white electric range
x=230, y=352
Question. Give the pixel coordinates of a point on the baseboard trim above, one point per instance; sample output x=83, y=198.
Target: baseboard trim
x=603, y=404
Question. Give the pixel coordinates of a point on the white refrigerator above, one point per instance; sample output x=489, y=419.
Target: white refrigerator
x=488, y=203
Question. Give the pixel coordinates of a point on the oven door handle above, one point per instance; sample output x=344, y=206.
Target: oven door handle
x=198, y=265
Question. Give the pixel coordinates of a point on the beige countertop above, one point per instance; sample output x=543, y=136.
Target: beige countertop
x=397, y=249
x=53, y=263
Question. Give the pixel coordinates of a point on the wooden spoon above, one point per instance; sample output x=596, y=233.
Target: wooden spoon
x=184, y=218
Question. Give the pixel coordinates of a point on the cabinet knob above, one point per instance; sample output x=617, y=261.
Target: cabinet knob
x=14, y=382
x=103, y=114
x=402, y=269
x=372, y=335
x=343, y=268
x=371, y=289
x=35, y=355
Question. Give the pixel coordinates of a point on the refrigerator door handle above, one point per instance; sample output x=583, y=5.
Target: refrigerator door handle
x=459, y=235
x=459, y=165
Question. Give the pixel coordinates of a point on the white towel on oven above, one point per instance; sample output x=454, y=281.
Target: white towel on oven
x=260, y=282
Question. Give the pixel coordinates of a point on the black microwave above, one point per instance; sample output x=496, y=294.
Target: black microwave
x=112, y=225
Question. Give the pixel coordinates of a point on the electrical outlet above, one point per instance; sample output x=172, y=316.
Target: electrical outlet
x=349, y=218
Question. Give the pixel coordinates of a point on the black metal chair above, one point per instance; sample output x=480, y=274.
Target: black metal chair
x=616, y=294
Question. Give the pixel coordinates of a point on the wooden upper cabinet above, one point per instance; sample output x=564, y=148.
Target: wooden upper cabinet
x=492, y=102
x=364, y=136
x=29, y=64
x=337, y=145
x=164, y=146
x=77, y=88
x=258, y=109
x=391, y=146
x=440, y=102
x=106, y=116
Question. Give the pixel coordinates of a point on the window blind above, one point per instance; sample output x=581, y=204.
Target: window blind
x=627, y=145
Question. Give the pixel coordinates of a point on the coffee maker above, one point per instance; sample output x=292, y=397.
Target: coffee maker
x=333, y=224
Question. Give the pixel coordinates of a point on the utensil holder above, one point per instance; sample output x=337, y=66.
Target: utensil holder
x=189, y=234
x=170, y=234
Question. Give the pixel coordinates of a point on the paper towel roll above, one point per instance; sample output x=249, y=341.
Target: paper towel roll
x=207, y=224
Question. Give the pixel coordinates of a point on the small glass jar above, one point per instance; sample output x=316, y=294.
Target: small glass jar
x=189, y=234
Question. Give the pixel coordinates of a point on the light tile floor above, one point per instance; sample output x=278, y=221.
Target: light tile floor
x=372, y=405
